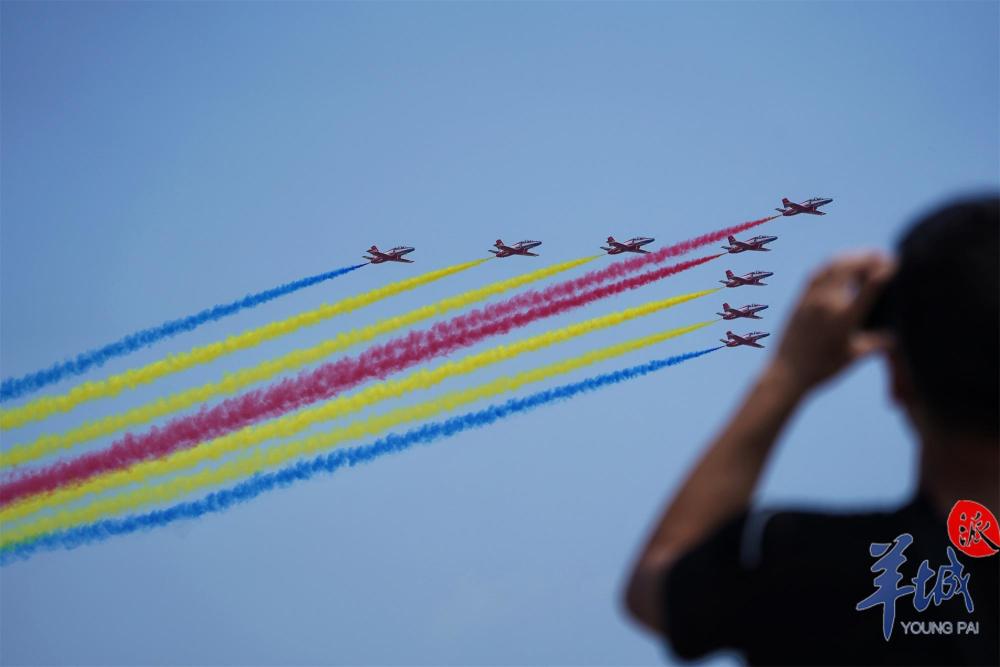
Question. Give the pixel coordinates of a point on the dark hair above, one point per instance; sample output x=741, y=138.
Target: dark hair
x=943, y=306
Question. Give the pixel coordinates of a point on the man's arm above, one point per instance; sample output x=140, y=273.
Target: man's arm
x=821, y=339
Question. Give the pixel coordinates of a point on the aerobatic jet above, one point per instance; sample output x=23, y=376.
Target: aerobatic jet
x=756, y=243
x=749, y=311
x=391, y=255
x=519, y=248
x=750, y=339
x=752, y=278
x=632, y=245
x=810, y=206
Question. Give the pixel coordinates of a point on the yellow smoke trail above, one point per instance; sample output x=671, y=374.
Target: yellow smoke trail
x=112, y=386
x=233, y=382
x=262, y=459
x=295, y=423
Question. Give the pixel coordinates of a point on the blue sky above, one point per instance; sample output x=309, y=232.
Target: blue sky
x=162, y=157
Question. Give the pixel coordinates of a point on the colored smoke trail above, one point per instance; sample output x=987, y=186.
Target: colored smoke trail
x=318, y=384
x=48, y=405
x=12, y=388
x=262, y=459
x=296, y=422
x=233, y=382
x=219, y=501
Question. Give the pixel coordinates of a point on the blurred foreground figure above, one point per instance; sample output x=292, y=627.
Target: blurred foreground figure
x=918, y=585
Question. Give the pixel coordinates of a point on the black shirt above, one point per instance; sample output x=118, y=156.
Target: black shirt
x=783, y=588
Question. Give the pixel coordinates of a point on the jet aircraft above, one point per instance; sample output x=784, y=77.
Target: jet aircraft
x=810, y=206
x=632, y=245
x=752, y=278
x=756, y=243
x=519, y=248
x=749, y=311
x=391, y=255
x=750, y=339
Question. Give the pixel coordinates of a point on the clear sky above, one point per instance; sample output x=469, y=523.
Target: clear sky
x=159, y=158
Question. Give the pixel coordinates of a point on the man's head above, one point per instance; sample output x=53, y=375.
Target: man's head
x=943, y=309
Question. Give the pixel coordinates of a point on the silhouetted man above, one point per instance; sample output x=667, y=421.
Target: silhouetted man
x=807, y=588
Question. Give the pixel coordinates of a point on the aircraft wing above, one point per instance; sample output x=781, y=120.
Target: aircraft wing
x=530, y=254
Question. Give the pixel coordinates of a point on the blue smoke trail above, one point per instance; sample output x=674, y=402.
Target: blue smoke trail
x=328, y=463
x=12, y=388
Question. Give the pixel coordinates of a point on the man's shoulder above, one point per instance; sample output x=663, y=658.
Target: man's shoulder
x=799, y=518
x=784, y=586
x=823, y=533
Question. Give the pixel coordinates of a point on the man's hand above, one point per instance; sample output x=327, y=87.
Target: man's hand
x=824, y=334
x=822, y=337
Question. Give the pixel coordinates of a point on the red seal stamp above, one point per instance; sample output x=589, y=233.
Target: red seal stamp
x=973, y=529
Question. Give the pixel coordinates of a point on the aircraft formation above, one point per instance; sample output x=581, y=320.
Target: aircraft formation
x=64, y=502
x=754, y=278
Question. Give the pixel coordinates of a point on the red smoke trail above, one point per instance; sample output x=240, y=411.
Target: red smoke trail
x=619, y=269
x=323, y=382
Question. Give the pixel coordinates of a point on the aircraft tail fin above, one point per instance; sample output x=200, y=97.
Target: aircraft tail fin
x=611, y=239
x=732, y=240
x=373, y=249
x=729, y=274
x=498, y=243
x=726, y=307
x=784, y=201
